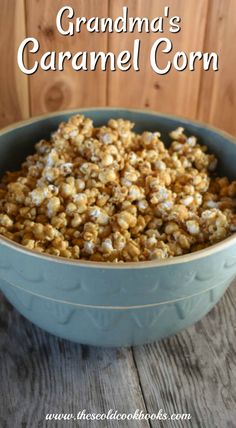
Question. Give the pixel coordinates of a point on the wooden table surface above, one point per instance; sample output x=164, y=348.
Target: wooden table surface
x=193, y=372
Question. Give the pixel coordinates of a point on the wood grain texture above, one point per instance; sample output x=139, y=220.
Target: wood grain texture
x=42, y=374
x=175, y=92
x=195, y=371
x=192, y=372
x=13, y=83
x=217, y=102
x=56, y=90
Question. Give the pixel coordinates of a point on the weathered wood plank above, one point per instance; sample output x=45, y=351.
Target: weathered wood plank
x=42, y=374
x=195, y=371
x=175, y=92
x=56, y=90
x=217, y=101
x=13, y=83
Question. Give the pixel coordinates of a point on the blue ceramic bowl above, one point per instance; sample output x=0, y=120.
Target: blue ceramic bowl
x=114, y=305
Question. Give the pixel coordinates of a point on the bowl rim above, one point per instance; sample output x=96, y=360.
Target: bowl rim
x=213, y=249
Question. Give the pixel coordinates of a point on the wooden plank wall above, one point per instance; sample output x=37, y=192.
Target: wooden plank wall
x=176, y=92
x=217, y=100
x=206, y=25
x=56, y=90
x=14, y=94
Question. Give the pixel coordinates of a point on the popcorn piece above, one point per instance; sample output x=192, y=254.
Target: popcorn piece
x=126, y=220
x=53, y=206
x=107, y=246
x=5, y=221
x=98, y=215
x=107, y=175
x=192, y=227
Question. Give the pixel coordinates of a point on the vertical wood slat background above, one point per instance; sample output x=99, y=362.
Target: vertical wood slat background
x=217, y=101
x=58, y=90
x=206, y=26
x=14, y=95
x=176, y=92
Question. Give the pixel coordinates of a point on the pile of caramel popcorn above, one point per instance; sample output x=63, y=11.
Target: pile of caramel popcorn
x=110, y=194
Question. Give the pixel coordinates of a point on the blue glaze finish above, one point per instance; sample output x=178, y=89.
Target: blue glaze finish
x=110, y=305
